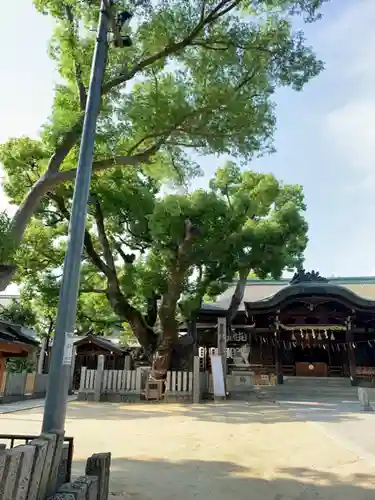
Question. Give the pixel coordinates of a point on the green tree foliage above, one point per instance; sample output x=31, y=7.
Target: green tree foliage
x=18, y=313
x=40, y=294
x=200, y=75
x=146, y=253
x=20, y=365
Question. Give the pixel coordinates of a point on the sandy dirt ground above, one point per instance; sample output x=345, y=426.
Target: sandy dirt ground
x=231, y=451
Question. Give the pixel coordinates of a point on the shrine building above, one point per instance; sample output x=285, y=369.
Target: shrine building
x=308, y=326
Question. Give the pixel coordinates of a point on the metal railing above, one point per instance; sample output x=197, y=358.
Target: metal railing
x=25, y=438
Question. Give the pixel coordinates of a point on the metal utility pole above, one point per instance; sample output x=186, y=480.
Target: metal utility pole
x=60, y=367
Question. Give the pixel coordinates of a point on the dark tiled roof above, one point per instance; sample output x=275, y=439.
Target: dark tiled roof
x=102, y=342
x=13, y=333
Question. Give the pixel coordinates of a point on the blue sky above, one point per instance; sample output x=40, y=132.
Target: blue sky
x=325, y=139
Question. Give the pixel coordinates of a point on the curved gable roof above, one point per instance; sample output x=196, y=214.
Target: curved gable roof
x=308, y=289
x=101, y=342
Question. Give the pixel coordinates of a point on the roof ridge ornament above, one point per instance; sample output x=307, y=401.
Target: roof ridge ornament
x=301, y=276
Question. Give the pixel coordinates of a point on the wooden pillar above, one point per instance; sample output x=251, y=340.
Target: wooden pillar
x=278, y=354
x=278, y=361
x=42, y=355
x=2, y=370
x=72, y=368
x=192, y=329
x=351, y=352
x=222, y=340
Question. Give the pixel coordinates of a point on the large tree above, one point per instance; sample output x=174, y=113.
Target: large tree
x=200, y=75
x=147, y=253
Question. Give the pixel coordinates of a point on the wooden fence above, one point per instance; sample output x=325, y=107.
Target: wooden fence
x=119, y=380
x=107, y=384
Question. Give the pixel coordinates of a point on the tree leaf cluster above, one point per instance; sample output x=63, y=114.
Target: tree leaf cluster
x=146, y=252
x=200, y=76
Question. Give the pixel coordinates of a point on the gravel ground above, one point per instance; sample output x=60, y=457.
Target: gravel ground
x=252, y=451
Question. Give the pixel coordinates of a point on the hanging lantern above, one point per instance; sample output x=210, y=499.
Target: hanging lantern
x=332, y=337
x=313, y=334
x=307, y=336
x=326, y=334
x=301, y=331
x=293, y=336
x=319, y=336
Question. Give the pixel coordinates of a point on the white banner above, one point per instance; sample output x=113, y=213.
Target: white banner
x=68, y=349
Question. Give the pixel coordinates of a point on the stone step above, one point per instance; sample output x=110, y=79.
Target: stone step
x=317, y=381
x=346, y=395
x=309, y=390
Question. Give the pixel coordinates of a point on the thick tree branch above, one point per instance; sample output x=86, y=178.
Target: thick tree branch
x=176, y=278
x=68, y=140
x=50, y=179
x=106, y=247
x=117, y=161
x=77, y=67
x=145, y=334
x=89, y=246
x=127, y=258
x=152, y=309
x=238, y=293
x=190, y=233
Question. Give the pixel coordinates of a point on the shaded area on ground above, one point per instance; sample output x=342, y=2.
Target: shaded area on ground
x=194, y=479
x=234, y=450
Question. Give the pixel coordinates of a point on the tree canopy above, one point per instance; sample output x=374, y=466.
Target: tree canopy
x=199, y=76
x=151, y=258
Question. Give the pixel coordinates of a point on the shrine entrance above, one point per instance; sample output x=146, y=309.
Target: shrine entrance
x=311, y=361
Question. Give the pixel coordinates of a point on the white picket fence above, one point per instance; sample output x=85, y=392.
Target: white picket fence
x=134, y=381
x=179, y=382
x=87, y=380
x=119, y=381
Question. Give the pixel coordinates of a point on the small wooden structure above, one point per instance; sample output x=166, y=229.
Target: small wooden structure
x=90, y=348
x=14, y=343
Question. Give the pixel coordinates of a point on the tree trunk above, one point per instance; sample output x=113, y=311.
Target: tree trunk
x=169, y=326
x=238, y=294
x=20, y=220
x=144, y=333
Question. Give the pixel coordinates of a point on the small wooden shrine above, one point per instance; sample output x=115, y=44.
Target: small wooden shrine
x=88, y=349
x=14, y=343
x=310, y=326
